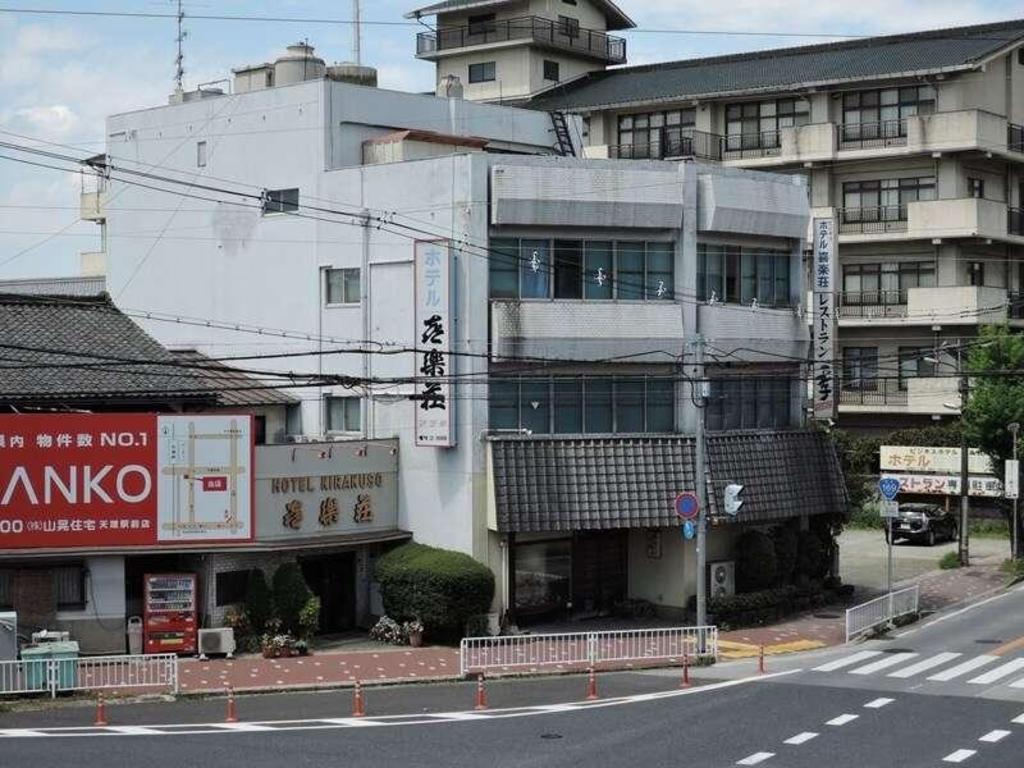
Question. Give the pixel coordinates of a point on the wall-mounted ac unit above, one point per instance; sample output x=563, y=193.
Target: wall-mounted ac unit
x=216, y=641
x=722, y=578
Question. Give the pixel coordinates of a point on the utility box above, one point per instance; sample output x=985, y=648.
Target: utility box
x=8, y=636
x=36, y=662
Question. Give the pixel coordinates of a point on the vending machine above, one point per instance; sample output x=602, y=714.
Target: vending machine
x=169, y=619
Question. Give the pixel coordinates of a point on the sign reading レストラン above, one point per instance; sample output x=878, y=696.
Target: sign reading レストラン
x=114, y=480
x=823, y=313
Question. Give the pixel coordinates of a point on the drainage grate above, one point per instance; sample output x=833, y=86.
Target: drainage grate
x=551, y=735
x=989, y=642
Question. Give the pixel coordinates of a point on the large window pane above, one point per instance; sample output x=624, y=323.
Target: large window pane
x=765, y=283
x=732, y=404
x=748, y=282
x=568, y=269
x=629, y=405
x=661, y=405
x=503, y=399
x=660, y=272
x=782, y=297
x=710, y=280
x=732, y=274
x=599, y=270
x=597, y=395
x=568, y=406
x=504, y=269
x=535, y=268
x=535, y=406
x=630, y=275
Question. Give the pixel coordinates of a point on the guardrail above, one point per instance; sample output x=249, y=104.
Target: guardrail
x=866, y=616
x=53, y=676
x=579, y=649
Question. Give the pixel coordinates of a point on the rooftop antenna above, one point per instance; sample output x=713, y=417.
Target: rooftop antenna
x=357, y=32
x=179, y=61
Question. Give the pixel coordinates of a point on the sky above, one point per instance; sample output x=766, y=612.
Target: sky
x=60, y=76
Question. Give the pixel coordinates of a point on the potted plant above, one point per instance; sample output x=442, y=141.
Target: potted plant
x=414, y=631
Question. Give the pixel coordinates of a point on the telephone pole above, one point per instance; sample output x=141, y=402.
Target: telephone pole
x=963, y=550
x=700, y=480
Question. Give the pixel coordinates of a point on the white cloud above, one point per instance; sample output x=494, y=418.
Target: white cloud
x=54, y=120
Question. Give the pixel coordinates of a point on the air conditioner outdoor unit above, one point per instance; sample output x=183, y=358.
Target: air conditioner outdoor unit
x=216, y=641
x=722, y=578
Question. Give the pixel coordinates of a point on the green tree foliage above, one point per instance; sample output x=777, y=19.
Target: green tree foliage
x=996, y=395
x=291, y=594
x=259, y=603
x=756, y=562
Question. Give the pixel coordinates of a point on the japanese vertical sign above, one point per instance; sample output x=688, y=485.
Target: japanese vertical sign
x=434, y=399
x=825, y=350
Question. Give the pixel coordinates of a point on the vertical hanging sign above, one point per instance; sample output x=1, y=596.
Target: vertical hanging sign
x=434, y=398
x=825, y=349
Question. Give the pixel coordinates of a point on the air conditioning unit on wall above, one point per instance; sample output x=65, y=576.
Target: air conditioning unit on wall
x=722, y=578
x=216, y=641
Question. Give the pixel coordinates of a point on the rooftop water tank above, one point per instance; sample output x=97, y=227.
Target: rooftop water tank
x=357, y=74
x=297, y=65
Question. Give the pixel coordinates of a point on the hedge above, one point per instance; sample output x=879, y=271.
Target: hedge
x=768, y=605
x=756, y=563
x=291, y=594
x=441, y=588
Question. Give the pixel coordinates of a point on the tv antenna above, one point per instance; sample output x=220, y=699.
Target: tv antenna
x=179, y=61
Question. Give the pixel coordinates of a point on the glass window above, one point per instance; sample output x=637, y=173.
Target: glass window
x=485, y=72
x=504, y=269
x=661, y=405
x=860, y=368
x=748, y=279
x=503, y=401
x=344, y=414
x=914, y=362
x=69, y=586
x=782, y=295
x=535, y=406
x=660, y=262
x=482, y=23
x=343, y=286
x=551, y=71
x=750, y=402
x=535, y=269
x=765, y=281
x=629, y=277
x=230, y=587
x=598, y=261
x=6, y=589
x=976, y=273
x=710, y=279
x=568, y=26
x=543, y=573
x=281, y=201
x=201, y=154
x=568, y=406
x=568, y=269
x=976, y=188
x=629, y=405
x=598, y=406
x=732, y=274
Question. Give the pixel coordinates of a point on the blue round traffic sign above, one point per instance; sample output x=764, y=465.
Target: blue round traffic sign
x=687, y=506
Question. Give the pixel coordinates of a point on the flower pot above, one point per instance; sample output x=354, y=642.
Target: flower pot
x=415, y=639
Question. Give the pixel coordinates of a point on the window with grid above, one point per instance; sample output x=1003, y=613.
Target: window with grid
x=756, y=124
x=483, y=23
x=882, y=283
x=750, y=402
x=551, y=70
x=740, y=275
x=860, y=368
x=568, y=26
x=484, y=72
x=6, y=590
x=343, y=414
x=69, y=586
x=656, y=134
x=879, y=114
x=884, y=199
x=343, y=286
x=230, y=586
x=281, y=201
x=915, y=362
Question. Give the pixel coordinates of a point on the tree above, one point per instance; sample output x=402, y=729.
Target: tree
x=996, y=395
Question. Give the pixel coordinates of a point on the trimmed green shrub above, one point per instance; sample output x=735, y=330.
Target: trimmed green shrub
x=812, y=556
x=756, y=564
x=785, y=539
x=949, y=561
x=259, y=603
x=309, y=618
x=291, y=594
x=441, y=588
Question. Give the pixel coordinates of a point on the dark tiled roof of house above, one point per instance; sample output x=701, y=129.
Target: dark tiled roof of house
x=778, y=69
x=600, y=483
x=233, y=387
x=63, y=349
x=617, y=19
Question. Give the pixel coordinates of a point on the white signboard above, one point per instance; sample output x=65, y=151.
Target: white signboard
x=1012, y=482
x=434, y=399
x=825, y=349
x=949, y=485
x=916, y=458
x=889, y=508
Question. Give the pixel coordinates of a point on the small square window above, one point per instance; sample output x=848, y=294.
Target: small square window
x=344, y=414
x=568, y=26
x=551, y=70
x=976, y=188
x=201, y=154
x=281, y=201
x=231, y=586
x=69, y=583
x=485, y=72
x=343, y=286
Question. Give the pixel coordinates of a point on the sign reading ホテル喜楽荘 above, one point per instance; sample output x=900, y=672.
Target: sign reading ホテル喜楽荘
x=434, y=400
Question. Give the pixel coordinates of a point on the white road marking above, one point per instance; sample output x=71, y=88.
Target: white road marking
x=959, y=756
x=1018, y=720
x=993, y=736
x=847, y=661
x=1003, y=670
x=1018, y=683
x=963, y=668
x=935, y=661
x=754, y=759
x=19, y=732
x=242, y=726
x=878, y=703
x=354, y=722
x=133, y=730
x=842, y=719
x=891, y=660
x=801, y=738
x=462, y=716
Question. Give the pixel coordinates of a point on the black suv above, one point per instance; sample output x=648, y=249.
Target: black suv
x=923, y=523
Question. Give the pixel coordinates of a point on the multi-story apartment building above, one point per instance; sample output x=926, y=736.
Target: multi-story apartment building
x=545, y=405
x=913, y=142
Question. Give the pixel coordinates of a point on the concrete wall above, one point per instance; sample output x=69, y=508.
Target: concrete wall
x=99, y=626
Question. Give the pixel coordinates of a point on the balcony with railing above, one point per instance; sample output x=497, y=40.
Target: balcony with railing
x=920, y=395
x=745, y=146
x=547, y=32
x=873, y=393
x=872, y=305
x=671, y=145
x=874, y=220
x=886, y=133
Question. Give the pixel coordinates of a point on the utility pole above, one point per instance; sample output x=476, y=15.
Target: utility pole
x=700, y=480
x=357, y=32
x=1014, y=430
x=963, y=550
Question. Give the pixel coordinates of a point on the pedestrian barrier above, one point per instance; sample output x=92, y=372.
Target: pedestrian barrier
x=586, y=649
x=866, y=616
x=93, y=673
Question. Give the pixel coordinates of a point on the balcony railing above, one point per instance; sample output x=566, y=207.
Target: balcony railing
x=872, y=304
x=1015, y=137
x=1015, y=221
x=1015, y=305
x=875, y=220
x=872, y=391
x=885, y=133
x=546, y=31
x=739, y=146
x=692, y=143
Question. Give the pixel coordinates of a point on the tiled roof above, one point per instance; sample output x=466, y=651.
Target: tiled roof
x=56, y=286
x=893, y=55
x=56, y=348
x=234, y=387
x=617, y=19
x=608, y=482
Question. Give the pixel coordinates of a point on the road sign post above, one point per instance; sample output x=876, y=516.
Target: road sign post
x=890, y=488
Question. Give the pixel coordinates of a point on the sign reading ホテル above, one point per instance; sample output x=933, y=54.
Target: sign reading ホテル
x=823, y=313
x=113, y=480
x=919, y=458
x=434, y=399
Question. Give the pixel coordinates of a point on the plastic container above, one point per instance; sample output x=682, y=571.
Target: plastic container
x=135, y=635
x=37, y=660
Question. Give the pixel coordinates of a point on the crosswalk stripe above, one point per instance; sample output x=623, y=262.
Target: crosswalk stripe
x=890, y=661
x=847, y=661
x=1003, y=670
x=925, y=664
x=960, y=669
x=1018, y=684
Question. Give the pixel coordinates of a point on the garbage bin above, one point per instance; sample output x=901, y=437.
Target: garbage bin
x=135, y=635
x=37, y=662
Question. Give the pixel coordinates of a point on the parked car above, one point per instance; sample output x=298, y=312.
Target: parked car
x=923, y=523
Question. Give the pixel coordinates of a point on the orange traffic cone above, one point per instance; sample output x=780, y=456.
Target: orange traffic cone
x=232, y=713
x=685, y=682
x=101, y=712
x=481, y=694
x=592, y=685
x=358, y=710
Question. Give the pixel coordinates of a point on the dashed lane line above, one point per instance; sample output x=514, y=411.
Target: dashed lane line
x=1018, y=720
x=992, y=737
x=878, y=703
x=801, y=738
x=757, y=757
x=842, y=719
x=959, y=756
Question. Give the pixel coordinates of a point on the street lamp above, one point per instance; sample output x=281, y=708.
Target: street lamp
x=1013, y=428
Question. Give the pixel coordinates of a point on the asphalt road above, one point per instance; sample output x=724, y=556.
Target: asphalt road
x=938, y=694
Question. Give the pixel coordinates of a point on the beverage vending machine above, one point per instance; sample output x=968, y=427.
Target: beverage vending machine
x=169, y=620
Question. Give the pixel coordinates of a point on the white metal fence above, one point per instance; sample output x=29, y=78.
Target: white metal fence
x=871, y=614
x=483, y=654
x=157, y=672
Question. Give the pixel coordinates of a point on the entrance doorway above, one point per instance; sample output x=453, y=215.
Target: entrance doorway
x=599, y=571
x=332, y=578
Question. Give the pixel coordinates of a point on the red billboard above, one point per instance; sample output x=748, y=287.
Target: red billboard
x=118, y=480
